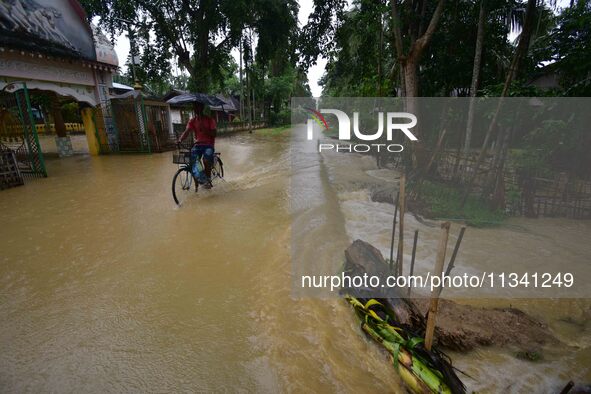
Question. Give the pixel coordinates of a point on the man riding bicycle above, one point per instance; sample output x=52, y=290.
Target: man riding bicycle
x=205, y=129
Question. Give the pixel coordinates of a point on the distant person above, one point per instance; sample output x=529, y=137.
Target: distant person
x=205, y=129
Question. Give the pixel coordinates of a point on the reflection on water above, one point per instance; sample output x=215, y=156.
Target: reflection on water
x=105, y=285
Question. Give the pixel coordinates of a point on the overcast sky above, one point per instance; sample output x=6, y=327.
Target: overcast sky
x=314, y=73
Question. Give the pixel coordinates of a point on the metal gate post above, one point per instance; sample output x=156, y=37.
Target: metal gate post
x=25, y=132
x=34, y=131
x=30, y=137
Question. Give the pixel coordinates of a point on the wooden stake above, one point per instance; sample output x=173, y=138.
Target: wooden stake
x=455, y=252
x=430, y=330
x=568, y=387
x=401, y=224
x=436, y=151
x=412, y=259
x=393, y=233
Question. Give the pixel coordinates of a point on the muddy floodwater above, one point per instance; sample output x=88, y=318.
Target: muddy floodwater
x=107, y=286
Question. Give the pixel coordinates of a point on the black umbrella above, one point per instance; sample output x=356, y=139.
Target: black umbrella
x=189, y=98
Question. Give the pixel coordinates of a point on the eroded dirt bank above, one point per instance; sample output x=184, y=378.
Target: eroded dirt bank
x=459, y=327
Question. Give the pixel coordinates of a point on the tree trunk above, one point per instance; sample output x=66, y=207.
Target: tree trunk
x=201, y=76
x=402, y=81
x=248, y=99
x=380, y=55
x=418, y=157
x=511, y=73
x=409, y=63
x=475, y=75
x=411, y=79
x=502, y=143
x=397, y=44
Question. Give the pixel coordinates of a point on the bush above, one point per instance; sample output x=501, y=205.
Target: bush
x=280, y=118
x=444, y=202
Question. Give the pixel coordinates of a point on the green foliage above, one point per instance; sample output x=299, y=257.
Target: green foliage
x=444, y=202
x=280, y=87
x=71, y=113
x=555, y=145
x=449, y=69
x=543, y=143
x=559, y=44
x=358, y=53
x=280, y=118
x=571, y=49
x=229, y=83
x=278, y=90
x=512, y=194
x=274, y=131
x=198, y=35
x=316, y=37
x=70, y=110
x=518, y=88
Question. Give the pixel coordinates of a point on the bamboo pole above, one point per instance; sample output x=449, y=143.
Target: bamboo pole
x=430, y=330
x=412, y=259
x=455, y=252
x=568, y=387
x=402, y=193
x=393, y=232
x=435, y=151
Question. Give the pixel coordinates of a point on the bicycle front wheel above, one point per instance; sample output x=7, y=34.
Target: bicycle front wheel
x=183, y=185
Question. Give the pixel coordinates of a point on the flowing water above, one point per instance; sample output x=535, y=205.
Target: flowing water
x=107, y=286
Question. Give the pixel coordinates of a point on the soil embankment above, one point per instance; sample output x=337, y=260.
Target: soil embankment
x=459, y=327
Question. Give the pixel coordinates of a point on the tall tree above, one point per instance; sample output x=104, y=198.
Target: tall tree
x=493, y=180
x=354, y=61
x=409, y=57
x=198, y=34
x=475, y=74
x=316, y=37
x=570, y=49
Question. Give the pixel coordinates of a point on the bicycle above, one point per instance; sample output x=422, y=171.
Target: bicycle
x=184, y=182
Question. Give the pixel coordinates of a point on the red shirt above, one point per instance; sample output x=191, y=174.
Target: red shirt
x=203, y=127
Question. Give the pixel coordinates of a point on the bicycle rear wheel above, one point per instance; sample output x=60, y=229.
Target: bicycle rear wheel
x=183, y=185
x=217, y=170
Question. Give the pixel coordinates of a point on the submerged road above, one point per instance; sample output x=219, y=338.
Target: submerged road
x=107, y=286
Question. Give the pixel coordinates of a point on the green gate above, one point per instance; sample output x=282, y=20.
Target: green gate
x=129, y=115
x=17, y=130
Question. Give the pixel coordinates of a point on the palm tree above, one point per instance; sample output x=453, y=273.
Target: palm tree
x=475, y=74
x=522, y=47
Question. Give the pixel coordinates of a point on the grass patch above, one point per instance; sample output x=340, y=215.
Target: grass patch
x=273, y=130
x=443, y=202
x=332, y=132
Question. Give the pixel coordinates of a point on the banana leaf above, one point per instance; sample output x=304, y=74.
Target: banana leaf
x=422, y=371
